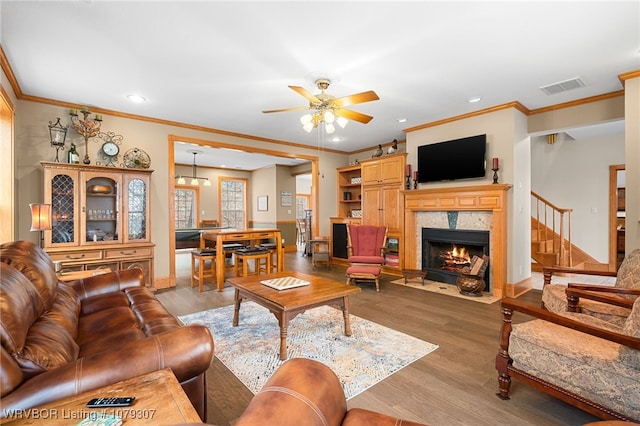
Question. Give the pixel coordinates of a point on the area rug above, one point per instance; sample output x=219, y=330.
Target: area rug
x=251, y=350
x=442, y=288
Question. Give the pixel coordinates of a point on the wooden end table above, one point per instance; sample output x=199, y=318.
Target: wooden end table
x=159, y=399
x=287, y=304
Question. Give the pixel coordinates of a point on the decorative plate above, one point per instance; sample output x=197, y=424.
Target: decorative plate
x=136, y=158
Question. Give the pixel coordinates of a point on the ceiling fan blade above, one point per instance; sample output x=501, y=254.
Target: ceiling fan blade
x=302, y=91
x=286, y=109
x=357, y=98
x=352, y=115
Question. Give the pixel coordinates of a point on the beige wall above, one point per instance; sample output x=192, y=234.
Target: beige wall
x=32, y=146
x=264, y=183
x=509, y=136
x=506, y=131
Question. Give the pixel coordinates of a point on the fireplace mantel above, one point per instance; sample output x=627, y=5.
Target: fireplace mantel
x=491, y=198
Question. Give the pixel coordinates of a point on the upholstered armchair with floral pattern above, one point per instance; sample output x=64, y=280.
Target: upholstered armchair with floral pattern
x=612, y=304
x=583, y=360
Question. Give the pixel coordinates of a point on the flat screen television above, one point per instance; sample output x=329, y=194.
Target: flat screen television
x=450, y=160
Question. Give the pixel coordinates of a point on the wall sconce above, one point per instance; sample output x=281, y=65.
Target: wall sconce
x=40, y=218
x=57, y=136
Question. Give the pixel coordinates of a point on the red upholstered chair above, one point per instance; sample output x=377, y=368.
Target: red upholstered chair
x=365, y=250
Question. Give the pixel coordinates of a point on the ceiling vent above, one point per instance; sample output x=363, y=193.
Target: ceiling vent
x=563, y=86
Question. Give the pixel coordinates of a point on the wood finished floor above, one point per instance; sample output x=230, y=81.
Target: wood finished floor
x=454, y=385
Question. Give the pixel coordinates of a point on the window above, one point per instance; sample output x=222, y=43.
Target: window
x=302, y=204
x=233, y=202
x=186, y=207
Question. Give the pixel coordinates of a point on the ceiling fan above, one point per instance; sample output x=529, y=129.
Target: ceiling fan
x=327, y=108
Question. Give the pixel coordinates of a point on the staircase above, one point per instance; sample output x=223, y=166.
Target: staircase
x=551, y=238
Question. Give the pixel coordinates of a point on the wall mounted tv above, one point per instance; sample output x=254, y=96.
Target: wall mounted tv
x=450, y=160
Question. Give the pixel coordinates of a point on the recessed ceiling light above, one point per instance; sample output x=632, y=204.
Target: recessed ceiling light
x=474, y=99
x=336, y=139
x=402, y=120
x=136, y=98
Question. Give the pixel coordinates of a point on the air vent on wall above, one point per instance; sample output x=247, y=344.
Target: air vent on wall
x=563, y=86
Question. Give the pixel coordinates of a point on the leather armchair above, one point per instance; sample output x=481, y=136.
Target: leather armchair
x=304, y=391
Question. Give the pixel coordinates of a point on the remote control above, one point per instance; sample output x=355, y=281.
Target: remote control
x=111, y=402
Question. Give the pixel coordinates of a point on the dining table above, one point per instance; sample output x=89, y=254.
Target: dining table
x=251, y=237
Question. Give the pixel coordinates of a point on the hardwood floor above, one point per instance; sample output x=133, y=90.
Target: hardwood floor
x=454, y=385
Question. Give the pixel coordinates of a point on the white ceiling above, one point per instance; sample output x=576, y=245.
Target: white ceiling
x=219, y=64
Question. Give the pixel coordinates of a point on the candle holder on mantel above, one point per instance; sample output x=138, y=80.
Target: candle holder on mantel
x=415, y=184
x=495, y=175
x=87, y=127
x=408, y=184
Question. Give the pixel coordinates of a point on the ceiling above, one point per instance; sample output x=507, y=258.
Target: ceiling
x=219, y=64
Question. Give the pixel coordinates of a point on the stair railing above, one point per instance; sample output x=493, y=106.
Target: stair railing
x=552, y=219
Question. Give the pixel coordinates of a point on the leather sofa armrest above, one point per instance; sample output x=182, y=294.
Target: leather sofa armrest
x=187, y=350
x=108, y=283
x=301, y=391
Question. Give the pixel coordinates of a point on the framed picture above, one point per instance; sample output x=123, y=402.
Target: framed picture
x=263, y=203
x=286, y=199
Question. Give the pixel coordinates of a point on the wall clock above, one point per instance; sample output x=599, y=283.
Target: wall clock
x=110, y=150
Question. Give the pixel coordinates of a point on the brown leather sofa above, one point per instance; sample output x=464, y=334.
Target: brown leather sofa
x=306, y=392
x=60, y=339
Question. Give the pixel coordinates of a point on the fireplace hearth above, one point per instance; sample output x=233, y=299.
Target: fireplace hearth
x=446, y=251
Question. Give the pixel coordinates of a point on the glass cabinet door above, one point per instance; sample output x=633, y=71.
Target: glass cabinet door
x=136, y=204
x=63, y=196
x=101, y=209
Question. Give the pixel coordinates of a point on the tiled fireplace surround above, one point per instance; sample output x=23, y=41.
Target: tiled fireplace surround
x=482, y=207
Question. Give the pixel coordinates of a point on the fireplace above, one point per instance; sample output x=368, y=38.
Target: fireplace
x=446, y=251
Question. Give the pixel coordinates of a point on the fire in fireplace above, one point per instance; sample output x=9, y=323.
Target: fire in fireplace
x=446, y=251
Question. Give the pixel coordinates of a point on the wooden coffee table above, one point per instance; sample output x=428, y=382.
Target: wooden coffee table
x=287, y=304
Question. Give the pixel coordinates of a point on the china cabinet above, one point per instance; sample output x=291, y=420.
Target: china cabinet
x=100, y=217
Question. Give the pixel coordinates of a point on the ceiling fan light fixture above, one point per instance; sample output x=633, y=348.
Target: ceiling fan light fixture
x=308, y=127
x=329, y=117
x=330, y=128
x=342, y=122
x=306, y=119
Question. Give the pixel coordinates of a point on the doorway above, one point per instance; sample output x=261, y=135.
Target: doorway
x=617, y=215
x=204, y=144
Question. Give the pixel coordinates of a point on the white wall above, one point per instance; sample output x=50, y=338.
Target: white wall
x=575, y=175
